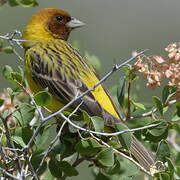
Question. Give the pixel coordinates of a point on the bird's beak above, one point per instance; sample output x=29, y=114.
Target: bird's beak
x=74, y=23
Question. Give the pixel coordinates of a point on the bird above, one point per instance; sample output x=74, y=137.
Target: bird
x=51, y=62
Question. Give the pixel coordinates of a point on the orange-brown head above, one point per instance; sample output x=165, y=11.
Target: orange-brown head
x=48, y=24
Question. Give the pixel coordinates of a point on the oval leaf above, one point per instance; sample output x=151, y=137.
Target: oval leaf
x=68, y=169
x=178, y=108
x=106, y=157
x=158, y=103
x=1, y=102
x=88, y=146
x=43, y=98
x=18, y=140
x=121, y=91
x=54, y=168
x=24, y=114
x=98, y=123
x=7, y=70
x=163, y=151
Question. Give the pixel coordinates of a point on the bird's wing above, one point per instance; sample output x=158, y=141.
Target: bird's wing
x=63, y=82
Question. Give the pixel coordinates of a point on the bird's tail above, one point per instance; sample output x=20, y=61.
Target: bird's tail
x=144, y=157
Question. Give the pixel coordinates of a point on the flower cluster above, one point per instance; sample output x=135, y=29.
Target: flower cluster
x=156, y=68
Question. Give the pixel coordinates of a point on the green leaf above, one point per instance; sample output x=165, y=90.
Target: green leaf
x=43, y=136
x=8, y=50
x=158, y=130
x=178, y=108
x=47, y=175
x=167, y=92
x=1, y=102
x=68, y=141
x=18, y=140
x=170, y=166
x=98, y=123
x=127, y=167
x=30, y=3
x=165, y=109
x=86, y=117
x=55, y=168
x=114, y=169
x=158, y=103
x=23, y=3
x=126, y=178
x=17, y=77
x=12, y=2
x=27, y=133
x=138, y=105
x=43, y=168
x=162, y=176
x=175, y=126
x=127, y=68
x=106, y=157
x=114, y=143
x=7, y=70
x=175, y=118
x=43, y=98
x=177, y=170
x=157, y=133
x=102, y=176
x=88, y=146
x=134, y=77
x=68, y=169
x=24, y=132
x=35, y=161
x=121, y=91
x=163, y=151
x=24, y=114
x=59, y=148
x=125, y=138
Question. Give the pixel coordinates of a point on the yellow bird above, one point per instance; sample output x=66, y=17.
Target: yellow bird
x=51, y=62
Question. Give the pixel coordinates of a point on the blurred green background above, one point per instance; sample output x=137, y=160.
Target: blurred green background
x=113, y=30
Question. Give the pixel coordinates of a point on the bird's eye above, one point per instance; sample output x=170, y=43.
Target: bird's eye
x=59, y=18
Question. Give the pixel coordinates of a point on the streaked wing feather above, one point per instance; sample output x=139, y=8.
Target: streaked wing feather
x=65, y=88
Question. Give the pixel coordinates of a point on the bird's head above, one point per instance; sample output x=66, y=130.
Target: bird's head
x=48, y=24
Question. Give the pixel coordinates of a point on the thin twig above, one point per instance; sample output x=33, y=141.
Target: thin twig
x=146, y=114
x=107, y=134
x=9, y=140
x=7, y=173
x=31, y=168
x=10, y=38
